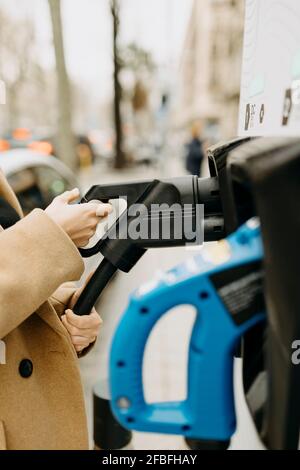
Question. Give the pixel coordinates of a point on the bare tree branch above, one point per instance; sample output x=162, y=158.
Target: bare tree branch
x=120, y=159
x=66, y=143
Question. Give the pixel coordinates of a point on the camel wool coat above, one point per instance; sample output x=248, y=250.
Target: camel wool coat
x=41, y=397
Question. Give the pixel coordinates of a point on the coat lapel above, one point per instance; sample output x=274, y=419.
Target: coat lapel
x=47, y=313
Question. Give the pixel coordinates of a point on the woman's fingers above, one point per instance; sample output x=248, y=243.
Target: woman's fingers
x=103, y=210
x=78, y=349
x=82, y=330
x=96, y=209
x=81, y=341
x=79, y=221
x=88, y=321
x=69, y=196
x=73, y=331
x=93, y=214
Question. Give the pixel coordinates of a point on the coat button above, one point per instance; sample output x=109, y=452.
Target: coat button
x=25, y=368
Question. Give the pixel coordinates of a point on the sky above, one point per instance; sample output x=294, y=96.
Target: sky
x=158, y=25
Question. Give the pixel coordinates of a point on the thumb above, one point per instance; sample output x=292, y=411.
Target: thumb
x=69, y=196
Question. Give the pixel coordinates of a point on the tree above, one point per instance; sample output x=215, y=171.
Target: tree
x=140, y=63
x=120, y=158
x=138, y=60
x=66, y=142
x=15, y=66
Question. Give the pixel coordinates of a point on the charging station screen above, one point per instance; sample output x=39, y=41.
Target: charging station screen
x=270, y=87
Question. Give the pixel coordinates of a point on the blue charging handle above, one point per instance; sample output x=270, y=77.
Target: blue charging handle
x=208, y=411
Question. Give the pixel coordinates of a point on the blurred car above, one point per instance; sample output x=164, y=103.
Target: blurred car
x=84, y=149
x=24, y=138
x=103, y=142
x=143, y=152
x=47, y=145
x=36, y=178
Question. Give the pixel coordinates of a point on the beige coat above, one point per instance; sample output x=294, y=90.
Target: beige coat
x=46, y=409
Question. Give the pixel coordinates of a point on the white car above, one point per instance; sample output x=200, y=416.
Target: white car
x=36, y=178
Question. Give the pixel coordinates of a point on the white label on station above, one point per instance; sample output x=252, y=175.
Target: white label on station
x=270, y=87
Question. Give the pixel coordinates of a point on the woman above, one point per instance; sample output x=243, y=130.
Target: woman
x=41, y=399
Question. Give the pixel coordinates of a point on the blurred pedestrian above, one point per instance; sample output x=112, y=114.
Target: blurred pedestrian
x=195, y=153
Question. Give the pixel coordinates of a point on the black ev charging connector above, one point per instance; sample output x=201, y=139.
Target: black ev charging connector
x=223, y=214
x=121, y=252
x=160, y=204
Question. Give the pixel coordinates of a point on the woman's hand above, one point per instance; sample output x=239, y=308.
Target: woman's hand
x=82, y=330
x=79, y=221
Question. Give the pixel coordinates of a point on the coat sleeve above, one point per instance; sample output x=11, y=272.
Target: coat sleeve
x=36, y=257
x=61, y=298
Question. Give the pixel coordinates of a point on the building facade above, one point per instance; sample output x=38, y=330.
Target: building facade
x=210, y=68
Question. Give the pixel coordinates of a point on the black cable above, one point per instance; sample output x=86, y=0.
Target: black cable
x=94, y=288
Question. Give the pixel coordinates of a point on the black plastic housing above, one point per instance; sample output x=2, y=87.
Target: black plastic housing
x=108, y=433
x=237, y=206
x=269, y=170
x=186, y=193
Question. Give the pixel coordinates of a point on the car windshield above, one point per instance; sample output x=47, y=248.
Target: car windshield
x=37, y=186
